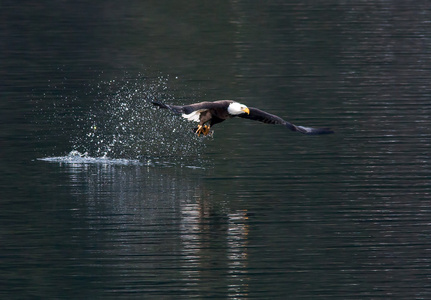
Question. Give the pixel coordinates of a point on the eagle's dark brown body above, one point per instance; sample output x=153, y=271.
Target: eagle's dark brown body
x=216, y=112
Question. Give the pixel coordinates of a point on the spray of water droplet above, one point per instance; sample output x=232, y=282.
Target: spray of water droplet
x=122, y=123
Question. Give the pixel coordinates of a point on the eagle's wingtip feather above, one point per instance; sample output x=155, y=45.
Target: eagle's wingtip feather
x=313, y=131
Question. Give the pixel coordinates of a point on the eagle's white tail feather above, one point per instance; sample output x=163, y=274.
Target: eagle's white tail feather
x=194, y=115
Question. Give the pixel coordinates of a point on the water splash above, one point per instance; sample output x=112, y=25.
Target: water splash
x=121, y=123
x=77, y=158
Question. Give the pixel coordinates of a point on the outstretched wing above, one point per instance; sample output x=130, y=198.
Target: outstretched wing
x=175, y=108
x=262, y=116
x=187, y=109
x=202, y=106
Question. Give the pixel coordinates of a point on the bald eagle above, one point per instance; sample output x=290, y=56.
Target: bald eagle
x=211, y=113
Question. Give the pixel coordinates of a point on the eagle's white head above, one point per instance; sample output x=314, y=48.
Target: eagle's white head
x=236, y=108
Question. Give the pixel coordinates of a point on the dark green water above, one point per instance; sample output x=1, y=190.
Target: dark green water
x=256, y=212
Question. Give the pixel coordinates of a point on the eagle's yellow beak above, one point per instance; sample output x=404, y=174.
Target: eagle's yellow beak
x=246, y=110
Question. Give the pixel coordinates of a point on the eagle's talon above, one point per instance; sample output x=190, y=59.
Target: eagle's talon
x=199, y=130
x=205, y=130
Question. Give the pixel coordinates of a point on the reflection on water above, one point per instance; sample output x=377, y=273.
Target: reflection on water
x=213, y=240
x=160, y=223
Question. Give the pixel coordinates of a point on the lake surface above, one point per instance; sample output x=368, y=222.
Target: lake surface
x=103, y=196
